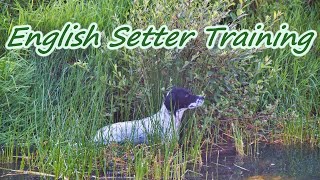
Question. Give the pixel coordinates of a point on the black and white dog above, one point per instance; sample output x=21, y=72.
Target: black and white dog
x=166, y=122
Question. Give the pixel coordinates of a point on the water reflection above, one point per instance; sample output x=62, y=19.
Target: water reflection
x=271, y=162
x=6, y=172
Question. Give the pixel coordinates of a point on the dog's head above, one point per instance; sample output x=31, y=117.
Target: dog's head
x=180, y=98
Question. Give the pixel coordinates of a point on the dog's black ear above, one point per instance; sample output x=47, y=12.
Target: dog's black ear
x=170, y=100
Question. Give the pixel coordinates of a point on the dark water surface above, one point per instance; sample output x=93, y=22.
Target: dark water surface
x=11, y=175
x=270, y=162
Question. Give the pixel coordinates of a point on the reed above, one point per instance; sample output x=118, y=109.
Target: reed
x=50, y=108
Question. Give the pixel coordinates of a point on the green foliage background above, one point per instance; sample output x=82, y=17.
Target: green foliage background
x=54, y=102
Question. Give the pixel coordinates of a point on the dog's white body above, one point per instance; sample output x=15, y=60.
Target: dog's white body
x=164, y=124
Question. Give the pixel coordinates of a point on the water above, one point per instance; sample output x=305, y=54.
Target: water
x=11, y=175
x=270, y=162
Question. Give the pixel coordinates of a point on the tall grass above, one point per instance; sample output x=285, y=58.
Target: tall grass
x=51, y=107
x=74, y=93
x=292, y=82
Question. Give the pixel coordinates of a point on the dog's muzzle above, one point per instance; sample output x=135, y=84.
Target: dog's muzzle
x=199, y=102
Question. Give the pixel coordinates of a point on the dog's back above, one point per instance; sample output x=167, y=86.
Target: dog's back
x=137, y=131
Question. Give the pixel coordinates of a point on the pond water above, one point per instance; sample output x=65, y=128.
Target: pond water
x=270, y=162
x=7, y=174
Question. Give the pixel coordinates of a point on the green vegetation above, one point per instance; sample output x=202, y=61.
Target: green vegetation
x=50, y=108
